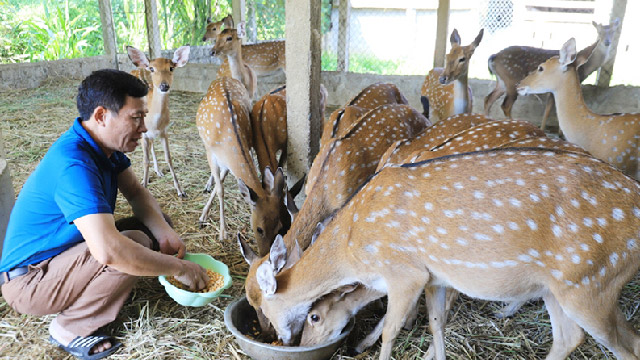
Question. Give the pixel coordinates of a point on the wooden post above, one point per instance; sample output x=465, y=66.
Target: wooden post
x=108, y=31
x=238, y=11
x=153, y=31
x=604, y=73
x=302, y=51
x=252, y=24
x=441, y=33
x=7, y=195
x=344, y=10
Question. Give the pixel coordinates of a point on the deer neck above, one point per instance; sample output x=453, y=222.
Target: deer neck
x=574, y=117
x=236, y=66
x=460, y=94
x=305, y=223
x=157, y=118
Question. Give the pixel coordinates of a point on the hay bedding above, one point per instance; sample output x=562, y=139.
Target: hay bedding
x=152, y=326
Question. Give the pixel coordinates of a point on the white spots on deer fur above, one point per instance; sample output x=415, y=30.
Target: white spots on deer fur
x=598, y=238
x=618, y=214
x=355, y=217
x=428, y=206
x=462, y=241
x=497, y=202
x=591, y=199
x=601, y=221
x=613, y=258
x=525, y=258
x=371, y=249
x=444, y=246
x=534, y=197
x=433, y=258
x=482, y=237
x=520, y=182
x=587, y=222
x=440, y=230
x=515, y=202
x=425, y=219
x=400, y=211
x=557, y=230
x=393, y=224
x=632, y=244
x=403, y=248
x=433, y=239
x=498, y=228
x=556, y=274
x=603, y=271
x=532, y=224
x=575, y=203
x=478, y=194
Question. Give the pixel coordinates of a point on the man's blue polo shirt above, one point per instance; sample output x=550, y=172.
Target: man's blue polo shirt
x=74, y=178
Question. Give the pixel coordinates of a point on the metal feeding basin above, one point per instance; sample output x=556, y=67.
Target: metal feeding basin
x=240, y=318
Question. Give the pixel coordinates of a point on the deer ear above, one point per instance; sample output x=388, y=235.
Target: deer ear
x=241, y=30
x=266, y=278
x=278, y=254
x=208, y=19
x=267, y=179
x=346, y=289
x=248, y=194
x=181, y=56
x=247, y=252
x=290, y=204
x=454, y=38
x=476, y=42
x=137, y=57
x=568, y=53
x=294, y=257
x=228, y=22
x=279, y=185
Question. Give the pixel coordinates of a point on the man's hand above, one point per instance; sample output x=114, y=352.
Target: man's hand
x=171, y=244
x=193, y=275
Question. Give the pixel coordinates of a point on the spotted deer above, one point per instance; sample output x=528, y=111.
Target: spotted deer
x=612, y=138
x=158, y=74
x=367, y=99
x=225, y=129
x=269, y=124
x=228, y=44
x=263, y=57
x=556, y=225
x=446, y=90
x=514, y=63
x=339, y=169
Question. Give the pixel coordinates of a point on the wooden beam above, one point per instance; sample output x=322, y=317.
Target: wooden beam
x=441, y=33
x=604, y=74
x=344, y=10
x=108, y=31
x=153, y=31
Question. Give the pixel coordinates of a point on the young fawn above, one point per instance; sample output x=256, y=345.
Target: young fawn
x=229, y=45
x=263, y=57
x=501, y=225
x=612, y=138
x=446, y=92
x=158, y=73
x=514, y=63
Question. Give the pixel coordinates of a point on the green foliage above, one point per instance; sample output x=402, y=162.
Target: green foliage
x=361, y=63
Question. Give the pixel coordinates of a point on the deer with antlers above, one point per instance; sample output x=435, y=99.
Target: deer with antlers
x=158, y=74
x=263, y=57
x=445, y=91
x=612, y=138
x=514, y=63
x=556, y=225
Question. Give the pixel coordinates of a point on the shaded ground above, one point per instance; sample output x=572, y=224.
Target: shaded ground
x=153, y=326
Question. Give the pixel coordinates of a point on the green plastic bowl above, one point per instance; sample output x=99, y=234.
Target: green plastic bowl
x=188, y=298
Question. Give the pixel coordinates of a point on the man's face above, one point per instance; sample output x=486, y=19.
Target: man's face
x=125, y=129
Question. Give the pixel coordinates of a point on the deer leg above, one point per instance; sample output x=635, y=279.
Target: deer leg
x=207, y=187
x=606, y=324
x=215, y=174
x=507, y=104
x=492, y=97
x=436, y=299
x=509, y=309
x=156, y=168
x=145, y=161
x=401, y=298
x=167, y=157
x=547, y=110
x=567, y=335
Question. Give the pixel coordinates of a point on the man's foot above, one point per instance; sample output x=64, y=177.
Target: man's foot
x=91, y=347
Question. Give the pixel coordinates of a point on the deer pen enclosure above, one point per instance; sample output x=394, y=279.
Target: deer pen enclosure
x=37, y=104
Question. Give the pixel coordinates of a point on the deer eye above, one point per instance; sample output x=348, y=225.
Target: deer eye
x=260, y=231
x=151, y=69
x=171, y=68
x=540, y=68
x=462, y=59
x=314, y=317
x=229, y=38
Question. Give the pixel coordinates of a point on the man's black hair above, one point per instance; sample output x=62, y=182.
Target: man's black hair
x=108, y=88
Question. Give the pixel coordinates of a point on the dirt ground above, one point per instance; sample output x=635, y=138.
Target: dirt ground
x=153, y=326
